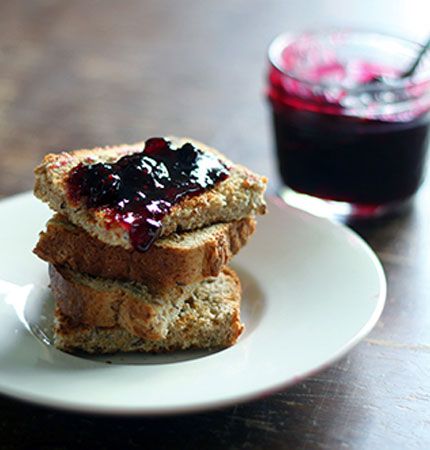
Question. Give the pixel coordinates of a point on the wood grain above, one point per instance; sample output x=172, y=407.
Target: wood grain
x=84, y=73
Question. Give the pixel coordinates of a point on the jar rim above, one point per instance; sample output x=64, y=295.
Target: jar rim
x=283, y=40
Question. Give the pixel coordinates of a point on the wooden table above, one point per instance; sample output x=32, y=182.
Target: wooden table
x=83, y=73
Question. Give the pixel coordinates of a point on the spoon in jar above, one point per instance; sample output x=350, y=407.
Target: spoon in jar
x=408, y=73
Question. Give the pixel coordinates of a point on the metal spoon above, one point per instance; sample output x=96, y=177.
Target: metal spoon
x=407, y=73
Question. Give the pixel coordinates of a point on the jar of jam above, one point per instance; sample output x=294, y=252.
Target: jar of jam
x=351, y=133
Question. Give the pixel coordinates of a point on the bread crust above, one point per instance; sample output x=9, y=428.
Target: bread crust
x=178, y=260
x=99, y=303
x=239, y=196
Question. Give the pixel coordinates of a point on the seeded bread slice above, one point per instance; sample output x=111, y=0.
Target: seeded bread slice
x=178, y=259
x=204, y=316
x=100, y=302
x=239, y=196
x=199, y=334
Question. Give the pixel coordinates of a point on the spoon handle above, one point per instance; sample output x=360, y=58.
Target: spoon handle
x=417, y=61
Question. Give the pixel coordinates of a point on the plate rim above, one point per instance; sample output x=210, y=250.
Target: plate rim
x=76, y=407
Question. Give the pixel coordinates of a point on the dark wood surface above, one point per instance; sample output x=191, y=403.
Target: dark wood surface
x=84, y=73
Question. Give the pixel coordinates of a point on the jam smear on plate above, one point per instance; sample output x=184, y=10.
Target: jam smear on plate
x=139, y=189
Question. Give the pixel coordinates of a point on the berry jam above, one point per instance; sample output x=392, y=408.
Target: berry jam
x=340, y=137
x=139, y=190
x=350, y=160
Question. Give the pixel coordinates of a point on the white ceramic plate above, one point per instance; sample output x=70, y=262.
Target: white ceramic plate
x=311, y=291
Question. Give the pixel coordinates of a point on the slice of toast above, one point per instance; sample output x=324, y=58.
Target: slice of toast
x=238, y=196
x=102, y=302
x=178, y=259
x=99, y=316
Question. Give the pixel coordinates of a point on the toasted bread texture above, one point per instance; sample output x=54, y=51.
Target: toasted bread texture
x=235, y=198
x=97, y=302
x=179, y=259
x=105, y=317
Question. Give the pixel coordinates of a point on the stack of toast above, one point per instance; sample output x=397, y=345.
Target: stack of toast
x=179, y=293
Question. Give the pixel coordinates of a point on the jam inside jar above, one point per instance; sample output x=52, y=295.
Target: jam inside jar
x=351, y=135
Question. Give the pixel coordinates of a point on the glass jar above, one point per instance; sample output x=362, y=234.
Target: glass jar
x=351, y=136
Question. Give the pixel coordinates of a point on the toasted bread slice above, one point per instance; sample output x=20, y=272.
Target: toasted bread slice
x=178, y=259
x=99, y=316
x=101, y=302
x=238, y=196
